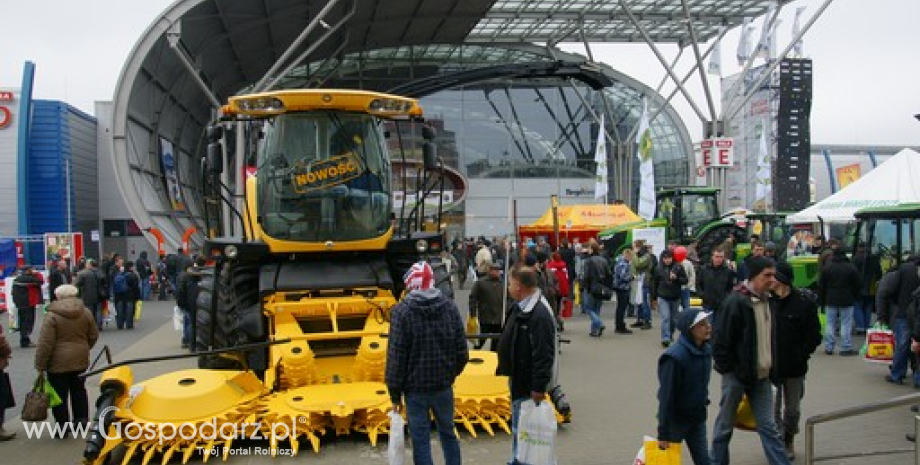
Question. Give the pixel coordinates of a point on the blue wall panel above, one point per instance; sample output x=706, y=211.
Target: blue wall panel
x=49, y=153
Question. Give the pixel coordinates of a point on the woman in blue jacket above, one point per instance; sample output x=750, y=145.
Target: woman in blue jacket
x=683, y=395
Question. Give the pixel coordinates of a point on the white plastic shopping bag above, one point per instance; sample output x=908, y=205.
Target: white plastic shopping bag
x=396, y=450
x=177, y=318
x=536, y=434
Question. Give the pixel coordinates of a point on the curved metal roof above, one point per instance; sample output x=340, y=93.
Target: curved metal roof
x=198, y=53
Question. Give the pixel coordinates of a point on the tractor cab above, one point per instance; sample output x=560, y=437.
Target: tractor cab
x=885, y=238
x=688, y=211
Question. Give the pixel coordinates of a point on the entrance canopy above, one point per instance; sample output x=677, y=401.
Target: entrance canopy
x=894, y=182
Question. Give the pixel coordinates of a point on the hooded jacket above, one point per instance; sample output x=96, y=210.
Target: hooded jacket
x=426, y=346
x=683, y=374
x=67, y=335
x=797, y=335
x=527, y=348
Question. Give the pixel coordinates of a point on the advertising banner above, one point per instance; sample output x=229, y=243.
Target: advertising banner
x=168, y=160
x=652, y=236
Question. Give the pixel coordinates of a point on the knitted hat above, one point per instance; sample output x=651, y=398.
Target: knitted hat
x=419, y=277
x=784, y=273
x=756, y=265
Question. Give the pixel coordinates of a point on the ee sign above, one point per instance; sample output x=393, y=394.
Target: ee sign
x=6, y=116
x=718, y=152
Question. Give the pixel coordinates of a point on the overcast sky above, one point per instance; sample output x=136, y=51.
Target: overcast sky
x=866, y=60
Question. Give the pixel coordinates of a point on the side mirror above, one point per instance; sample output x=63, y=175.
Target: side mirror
x=430, y=156
x=215, y=159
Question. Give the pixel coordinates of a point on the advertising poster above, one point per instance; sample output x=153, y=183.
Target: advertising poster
x=168, y=161
x=63, y=246
x=652, y=236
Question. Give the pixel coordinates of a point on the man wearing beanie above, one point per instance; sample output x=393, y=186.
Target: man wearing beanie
x=426, y=352
x=798, y=334
x=743, y=355
x=683, y=393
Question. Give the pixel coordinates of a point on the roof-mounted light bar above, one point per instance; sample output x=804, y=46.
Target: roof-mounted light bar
x=283, y=101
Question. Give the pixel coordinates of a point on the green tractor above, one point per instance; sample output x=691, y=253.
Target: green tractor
x=771, y=227
x=687, y=214
x=885, y=237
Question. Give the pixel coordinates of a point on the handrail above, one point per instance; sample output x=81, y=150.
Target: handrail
x=872, y=407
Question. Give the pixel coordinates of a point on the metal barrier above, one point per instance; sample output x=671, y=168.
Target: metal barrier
x=910, y=399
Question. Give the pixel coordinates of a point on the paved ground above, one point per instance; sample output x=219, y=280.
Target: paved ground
x=610, y=382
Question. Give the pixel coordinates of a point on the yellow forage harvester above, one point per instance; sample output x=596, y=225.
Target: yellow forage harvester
x=291, y=316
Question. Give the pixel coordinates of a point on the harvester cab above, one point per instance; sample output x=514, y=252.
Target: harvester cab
x=291, y=320
x=688, y=214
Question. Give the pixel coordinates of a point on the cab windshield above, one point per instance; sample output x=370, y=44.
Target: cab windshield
x=323, y=176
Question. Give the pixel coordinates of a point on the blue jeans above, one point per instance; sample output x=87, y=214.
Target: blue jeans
x=862, y=312
x=901, y=359
x=187, y=337
x=645, y=308
x=668, y=311
x=125, y=314
x=145, y=288
x=418, y=406
x=695, y=438
x=845, y=314
x=684, y=300
x=593, y=307
x=760, y=395
x=515, y=416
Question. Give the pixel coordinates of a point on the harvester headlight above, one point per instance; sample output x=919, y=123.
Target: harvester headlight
x=271, y=104
x=376, y=105
x=231, y=252
x=421, y=246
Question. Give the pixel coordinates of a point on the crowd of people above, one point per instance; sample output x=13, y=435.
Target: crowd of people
x=83, y=298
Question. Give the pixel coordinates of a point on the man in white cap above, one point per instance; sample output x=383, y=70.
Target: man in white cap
x=683, y=393
x=426, y=351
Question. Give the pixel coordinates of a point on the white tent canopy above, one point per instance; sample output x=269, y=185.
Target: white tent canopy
x=894, y=182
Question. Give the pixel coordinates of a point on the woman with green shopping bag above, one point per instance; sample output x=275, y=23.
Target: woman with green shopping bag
x=68, y=333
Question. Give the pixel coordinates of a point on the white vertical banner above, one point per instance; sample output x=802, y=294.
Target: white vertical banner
x=744, y=43
x=600, y=158
x=646, y=165
x=799, y=47
x=767, y=34
x=764, y=190
x=715, y=58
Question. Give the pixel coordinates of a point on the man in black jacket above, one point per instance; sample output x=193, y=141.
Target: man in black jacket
x=527, y=348
x=798, y=334
x=667, y=280
x=714, y=282
x=425, y=354
x=838, y=288
x=743, y=355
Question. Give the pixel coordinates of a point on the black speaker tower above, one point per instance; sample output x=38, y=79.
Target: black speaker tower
x=793, y=144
